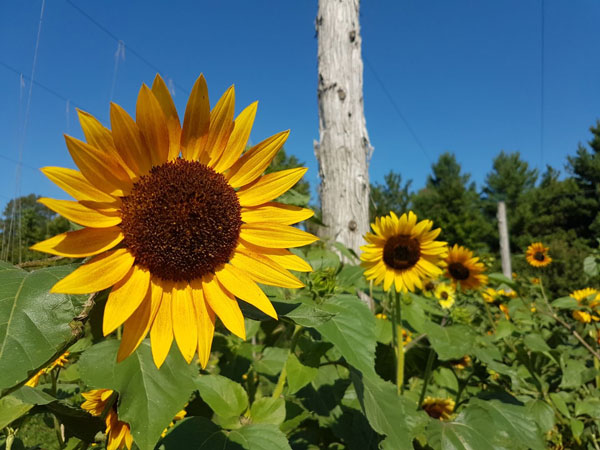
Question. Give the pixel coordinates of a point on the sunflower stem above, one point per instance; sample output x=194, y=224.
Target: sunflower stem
x=398, y=342
x=428, y=367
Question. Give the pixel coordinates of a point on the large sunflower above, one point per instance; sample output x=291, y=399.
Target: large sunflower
x=464, y=269
x=179, y=219
x=402, y=252
x=537, y=255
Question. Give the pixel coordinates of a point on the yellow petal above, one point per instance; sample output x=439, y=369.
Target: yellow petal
x=128, y=140
x=221, y=126
x=99, y=273
x=196, y=121
x=161, y=92
x=185, y=325
x=75, y=184
x=161, y=333
x=276, y=213
x=205, y=317
x=275, y=235
x=281, y=256
x=137, y=326
x=224, y=305
x=99, y=168
x=125, y=297
x=254, y=162
x=82, y=215
x=153, y=126
x=264, y=270
x=238, y=139
x=270, y=186
x=84, y=242
x=100, y=137
x=241, y=285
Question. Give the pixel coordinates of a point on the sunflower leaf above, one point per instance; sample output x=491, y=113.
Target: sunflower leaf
x=225, y=397
x=149, y=398
x=36, y=323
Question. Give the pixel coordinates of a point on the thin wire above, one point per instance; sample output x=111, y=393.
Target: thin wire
x=397, y=109
x=113, y=36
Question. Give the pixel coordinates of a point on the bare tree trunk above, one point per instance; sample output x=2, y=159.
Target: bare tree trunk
x=504, y=245
x=344, y=150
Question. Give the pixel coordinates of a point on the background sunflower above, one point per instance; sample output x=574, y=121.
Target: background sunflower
x=465, y=269
x=537, y=255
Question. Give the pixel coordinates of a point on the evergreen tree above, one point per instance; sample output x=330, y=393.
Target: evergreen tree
x=452, y=202
x=390, y=196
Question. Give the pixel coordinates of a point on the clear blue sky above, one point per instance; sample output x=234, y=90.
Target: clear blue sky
x=465, y=75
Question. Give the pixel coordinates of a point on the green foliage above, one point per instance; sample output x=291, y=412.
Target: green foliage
x=391, y=196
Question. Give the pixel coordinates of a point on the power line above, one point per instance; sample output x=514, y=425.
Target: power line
x=118, y=40
x=14, y=161
x=397, y=109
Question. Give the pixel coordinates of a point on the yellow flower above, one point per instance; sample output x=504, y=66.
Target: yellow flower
x=535, y=280
x=465, y=269
x=462, y=363
x=537, y=255
x=428, y=287
x=406, y=336
x=445, y=293
x=504, y=309
x=438, y=408
x=381, y=316
x=180, y=223
x=510, y=293
x=587, y=297
x=58, y=362
x=118, y=432
x=402, y=252
x=490, y=295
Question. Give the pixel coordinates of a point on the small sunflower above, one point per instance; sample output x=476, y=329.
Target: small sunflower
x=118, y=432
x=587, y=298
x=490, y=295
x=428, y=288
x=537, y=255
x=58, y=362
x=180, y=221
x=406, y=336
x=462, y=363
x=504, y=310
x=445, y=293
x=402, y=252
x=464, y=269
x=438, y=408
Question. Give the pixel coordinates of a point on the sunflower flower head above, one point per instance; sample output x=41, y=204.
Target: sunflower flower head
x=179, y=220
x=537, y=255
x=99, y=402
x=438, y=408
x=402, y=252
x=464, y=269
x=489, y=295
x=587, y=298
x=504, y=310
x=428, y=288
x=446, y=294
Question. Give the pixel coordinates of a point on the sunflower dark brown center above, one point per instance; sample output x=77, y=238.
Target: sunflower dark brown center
x=401, y=252
x=181, y=221
x=429, y=286
x=458, y=271
x=444, y=295
x=538, y=256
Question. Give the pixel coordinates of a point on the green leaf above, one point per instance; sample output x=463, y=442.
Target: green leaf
x=198, y=433
x=271, y=361
x=388, y=413
x=536, y=343
x=565, y=303
x=457, y=436
x=77, y=422
x=298, y=375
x=502, y=422
x=225, y=397
x=542, y=413
x=345, y=251
x=576, y=428
x=268, y=410
x=589, y=406
x=149, y=398
x=501, y=278
x=35, y=323
x=320, y=258
x=351, y=330
x=560, y=403
x=11, y=408
x=575, y=373
x=303, y=314
x=504, y=329
x=590, y=266
x=451, y=342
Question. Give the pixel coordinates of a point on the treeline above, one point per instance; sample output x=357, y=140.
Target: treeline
x=562, y=212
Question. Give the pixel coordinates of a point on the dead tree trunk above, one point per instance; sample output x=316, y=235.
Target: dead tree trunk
x=504, y=243
x=344, y=150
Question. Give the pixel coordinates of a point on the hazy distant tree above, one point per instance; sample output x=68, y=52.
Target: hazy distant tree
x=390, y=196
x=452, y=202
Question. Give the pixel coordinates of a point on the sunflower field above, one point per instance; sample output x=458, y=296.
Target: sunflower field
x=180, y=306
